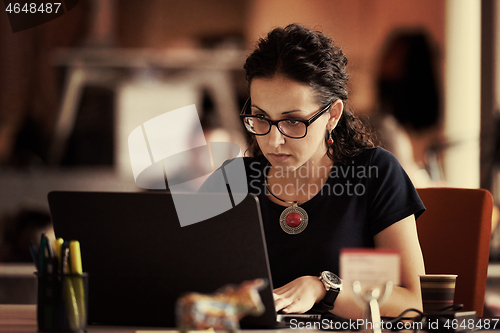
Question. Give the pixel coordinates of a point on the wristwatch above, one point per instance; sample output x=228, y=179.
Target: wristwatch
x=333, y=286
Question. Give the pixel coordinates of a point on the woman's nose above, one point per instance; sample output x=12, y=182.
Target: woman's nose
x=275, y=136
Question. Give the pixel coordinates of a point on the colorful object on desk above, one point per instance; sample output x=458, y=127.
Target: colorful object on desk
x=221, y=310
x=61, y=287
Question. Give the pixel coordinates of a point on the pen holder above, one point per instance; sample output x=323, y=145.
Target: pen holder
x=62, y=302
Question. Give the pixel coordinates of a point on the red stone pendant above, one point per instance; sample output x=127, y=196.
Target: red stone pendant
x=293, y=220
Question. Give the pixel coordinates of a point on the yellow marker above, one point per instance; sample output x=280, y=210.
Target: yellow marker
x=57, y=249
x=76, y=268
x=71, y=300
x=75, y=257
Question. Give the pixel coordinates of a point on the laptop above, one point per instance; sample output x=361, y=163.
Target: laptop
x=140, y=260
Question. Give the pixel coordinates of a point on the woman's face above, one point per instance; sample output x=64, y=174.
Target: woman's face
x=279, y=98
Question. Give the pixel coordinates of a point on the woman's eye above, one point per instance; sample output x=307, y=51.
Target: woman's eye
x=257, y=114
x=260, y=118
x=291, y=122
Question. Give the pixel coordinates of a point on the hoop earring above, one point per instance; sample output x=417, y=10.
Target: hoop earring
x=330, y=140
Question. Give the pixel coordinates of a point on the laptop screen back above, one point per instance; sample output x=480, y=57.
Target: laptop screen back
x=140, y=260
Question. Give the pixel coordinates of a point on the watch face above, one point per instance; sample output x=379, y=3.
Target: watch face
x=332, y=278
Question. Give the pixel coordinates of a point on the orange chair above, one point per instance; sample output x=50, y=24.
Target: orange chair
x=454, y=234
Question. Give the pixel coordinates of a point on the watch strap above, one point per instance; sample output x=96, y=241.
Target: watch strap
x=328, y=302
x=330, y=297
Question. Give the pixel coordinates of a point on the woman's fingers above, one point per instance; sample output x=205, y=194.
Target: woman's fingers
x=290, y=304
x=295, y=307
x=299, y=295
x=281, y=302
x=283, y=289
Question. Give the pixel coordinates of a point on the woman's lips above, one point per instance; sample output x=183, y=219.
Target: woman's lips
x=279, y=157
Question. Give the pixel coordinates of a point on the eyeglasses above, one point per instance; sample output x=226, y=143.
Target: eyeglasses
x=292, y=128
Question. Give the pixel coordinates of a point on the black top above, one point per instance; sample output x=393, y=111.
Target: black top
x=359, y=199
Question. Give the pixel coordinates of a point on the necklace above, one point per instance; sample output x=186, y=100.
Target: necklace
x=294, y=219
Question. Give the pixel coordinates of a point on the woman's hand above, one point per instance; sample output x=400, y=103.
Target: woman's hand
x=299, y=295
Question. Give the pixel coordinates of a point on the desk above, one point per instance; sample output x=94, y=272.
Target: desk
x=22, y=318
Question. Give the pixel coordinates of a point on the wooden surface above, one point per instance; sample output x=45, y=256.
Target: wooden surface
x=22, y=318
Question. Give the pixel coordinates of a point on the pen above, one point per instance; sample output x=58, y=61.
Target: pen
x=47, y=311
x=64, y=258
x=50, y=262
x=42, y=259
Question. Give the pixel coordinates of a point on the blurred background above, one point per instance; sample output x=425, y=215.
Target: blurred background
x=424, y=73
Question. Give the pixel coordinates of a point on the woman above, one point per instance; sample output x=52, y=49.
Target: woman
x=322, y=184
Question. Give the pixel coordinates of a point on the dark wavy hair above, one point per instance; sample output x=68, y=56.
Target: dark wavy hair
x=310, y=57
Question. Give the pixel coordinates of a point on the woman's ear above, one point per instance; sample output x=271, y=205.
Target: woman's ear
x=335, y=113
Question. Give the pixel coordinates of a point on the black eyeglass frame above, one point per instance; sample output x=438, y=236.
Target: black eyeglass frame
x=308, y=122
